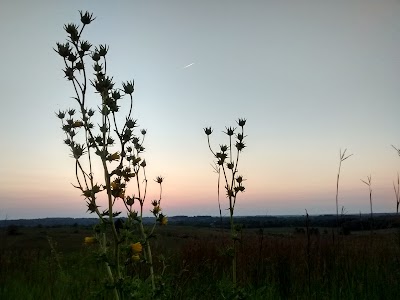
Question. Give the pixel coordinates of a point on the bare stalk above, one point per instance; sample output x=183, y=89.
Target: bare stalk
x=343, y=157
x=397, y=193
x=368, y=183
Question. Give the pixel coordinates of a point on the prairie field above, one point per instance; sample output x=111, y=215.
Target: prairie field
x=273, y=263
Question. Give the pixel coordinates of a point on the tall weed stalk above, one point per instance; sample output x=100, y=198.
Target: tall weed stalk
x=368, y=183
x=342, y=158
x=227, y=161
x=102, y=136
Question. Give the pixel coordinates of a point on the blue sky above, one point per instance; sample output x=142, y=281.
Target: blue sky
x=311, y=78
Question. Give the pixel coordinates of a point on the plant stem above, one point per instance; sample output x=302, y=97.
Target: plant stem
x=109, y=272
x=149, y=257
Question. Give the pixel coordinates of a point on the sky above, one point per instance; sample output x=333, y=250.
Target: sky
x=311, y=78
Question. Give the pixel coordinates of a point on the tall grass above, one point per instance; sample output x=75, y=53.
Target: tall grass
x=342, y=157
x=397, y=193
x=368, y=183
x=276, y=266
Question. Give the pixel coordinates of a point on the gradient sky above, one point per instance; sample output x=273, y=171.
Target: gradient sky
x=311, y=77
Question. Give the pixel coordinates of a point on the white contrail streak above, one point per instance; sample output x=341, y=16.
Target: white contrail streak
x=189, y=65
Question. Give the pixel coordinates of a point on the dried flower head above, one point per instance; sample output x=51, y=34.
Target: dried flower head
x=208, y=130
x=130, y=200
x=241, y=122
x=63, y=49
x=128, y=87
x=114, y=156
x=102, y=50
x=86, y=18
x=229, y=131
x=60, y=114
x=159, y=179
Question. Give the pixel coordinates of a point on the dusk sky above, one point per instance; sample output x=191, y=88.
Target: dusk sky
x=310, y=77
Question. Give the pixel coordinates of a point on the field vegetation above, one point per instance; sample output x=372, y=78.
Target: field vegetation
x=272, y=263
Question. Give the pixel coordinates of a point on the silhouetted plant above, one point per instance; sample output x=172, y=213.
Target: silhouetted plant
x=227, y=161
x=368, y=182
x=397, y=189
x=118, y=149
x=342, y=157
x=397, y=193
x=308, y=251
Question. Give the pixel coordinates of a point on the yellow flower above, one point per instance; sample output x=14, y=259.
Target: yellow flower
x=135, y=257
x=90, y=240
x=164, y=220
x=136, y=247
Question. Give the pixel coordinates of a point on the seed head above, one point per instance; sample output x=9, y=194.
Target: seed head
x=241, y=122
x=239, y=179
x=240, y=137
x=131, y=123
x=86, y=18
x=85, y=46
x=230, y=131
x=128, y=87
x=69, y=73
x=208, y=130
x=92, y=206
x=103, y=49
x=63, y=49
x=159, y=179
x=240, y=146
x=60, y=114
x=130, y=200
x=72, y=57
x=96, y=56
x=79, y=65
x=114, y=156
x=116, y=95
x=143, y=163
x=72, y=30
x=90, y=112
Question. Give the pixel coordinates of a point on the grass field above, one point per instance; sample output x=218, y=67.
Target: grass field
x=53, y=263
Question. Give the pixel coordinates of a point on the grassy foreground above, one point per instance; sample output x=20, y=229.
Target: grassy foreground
x=53, y=263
